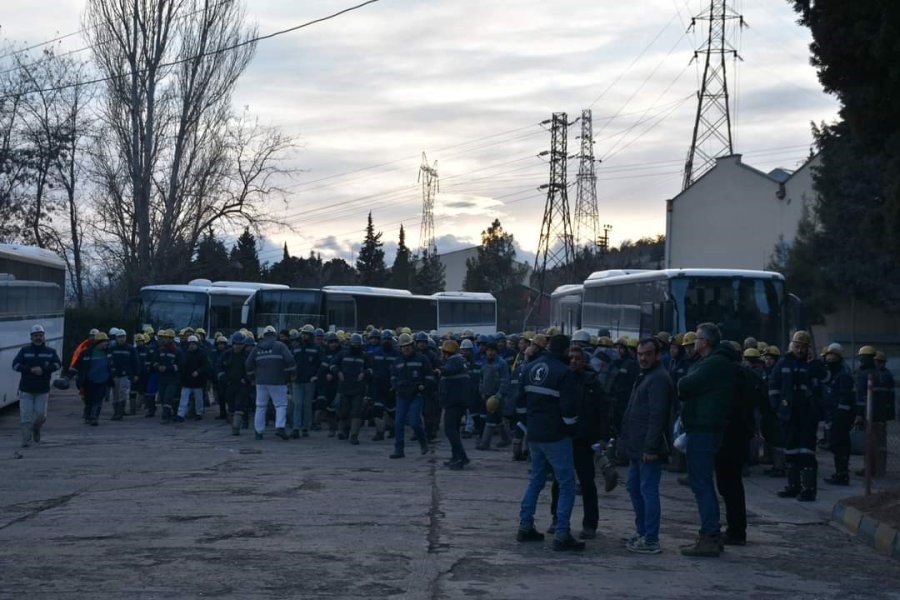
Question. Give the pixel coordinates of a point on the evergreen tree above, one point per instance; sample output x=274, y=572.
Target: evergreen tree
x=245, y=258
x=430, y=275
x=402, y=271
x=370, y=262
x=211, y=261
x=287, y=271
x=337, y=272
x=494, y=269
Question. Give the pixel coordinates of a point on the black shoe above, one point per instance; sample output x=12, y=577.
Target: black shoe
x=423, y=446
x=529, y=535
x=567, y=543
x=838, y=479
x=281, y=433
x=807, y=496
x=733, y=540
x=341, y=436
x=304, y=433
x=93, y=422
x=552, y=528
x=295, y=434
x=316, y=427
x=773, y=472
x=258, y=436
x=354, y=440
x=588, y=534
x=198, y=417
x=789, y=492
x=455, y=466
x=179, y=419
x=397, y=455
x=378, y=437
x=221, y=417
x=235, y=431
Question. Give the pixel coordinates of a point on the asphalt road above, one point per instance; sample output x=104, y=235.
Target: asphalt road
x=141, y=510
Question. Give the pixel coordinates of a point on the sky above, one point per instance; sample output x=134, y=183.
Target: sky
x=469, y=83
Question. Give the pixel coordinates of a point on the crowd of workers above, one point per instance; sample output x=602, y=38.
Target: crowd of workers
x=564, y=403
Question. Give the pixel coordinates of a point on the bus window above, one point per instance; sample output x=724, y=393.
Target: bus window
x=173, y=310
x=225, y=312
x=340, y=312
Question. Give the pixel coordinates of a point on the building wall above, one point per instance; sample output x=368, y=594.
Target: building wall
x=733, y=218
x=455, y=267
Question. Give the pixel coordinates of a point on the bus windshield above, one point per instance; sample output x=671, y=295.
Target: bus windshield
x=740, y=306
x=173, y=310
x=286, y=309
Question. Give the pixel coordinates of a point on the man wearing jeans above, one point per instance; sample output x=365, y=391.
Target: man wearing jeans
x=707, y=395
x=410, y=374
x=308, y=357
x=644, y=441
x=550, y=394
x=36, y=362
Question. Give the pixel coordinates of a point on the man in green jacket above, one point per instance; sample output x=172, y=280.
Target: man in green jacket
x=707, y=393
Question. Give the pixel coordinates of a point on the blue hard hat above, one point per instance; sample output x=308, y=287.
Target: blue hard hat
x=374, y=334
x=320, y=332
x=237, y=338
x=356, y=340
x=482, y=339
x=331, y=337
x=387, y=335
x=422, y=337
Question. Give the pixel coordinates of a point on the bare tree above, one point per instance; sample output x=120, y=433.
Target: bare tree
x=166, y=162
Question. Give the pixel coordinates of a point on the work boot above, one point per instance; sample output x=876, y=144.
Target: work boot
x=36, y=429
x=281, y=433
x=397, y=454
x=27, y=433
x=354, y=439
x=355, y=426
x=423, y=446
x=610, y=477
x=839, y=479
x=706, y=546
x=567, y=543
x=517, y=450
x=529, y=534
x=378, y=437
x=119, y=411
x=295, y=434
x=808, y=485
x=236, y=419
x=166, y=414
x=792, y=489
x=485, y=443
x=505, y=438
x=132, y=405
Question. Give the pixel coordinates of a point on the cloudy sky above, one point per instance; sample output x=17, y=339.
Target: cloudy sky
x=469, y=82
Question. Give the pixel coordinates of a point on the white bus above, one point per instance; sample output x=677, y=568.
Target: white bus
x=215, y=306
x=639, y=303
x=32, y=290
x=353, y=307
x=565, y=308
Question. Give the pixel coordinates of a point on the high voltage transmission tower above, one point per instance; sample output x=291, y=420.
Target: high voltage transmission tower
x=428, y=176
x=555, y=246
x=587, y=220
x=712, y=124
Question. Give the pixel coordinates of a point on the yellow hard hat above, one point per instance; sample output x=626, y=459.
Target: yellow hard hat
x=528, y=335
x=761, y=346
x=540, y=340
x=139, y=338
x=493, y=404
x=751, y=353
x=101, y=337
x=632, y=342
x=773, y=351
x=148, y=329
x=604, y=341
x=664, y=336
x=678, y=339
x=689, y=339
x=867, y=351
x=881, y=356
x=404, y=340
x=449, y=346
x=553, y=331
x=200, y=330
x=621, y=341
x=406, y=330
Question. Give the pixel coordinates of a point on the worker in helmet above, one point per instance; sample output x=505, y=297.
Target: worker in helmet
x=431, y=408
x=231, y=372
x=95, y=374
x=453, y=392
x=494, y=383
x=125, y=370
x=168, y=357
x=838, y=395
x=623, y=373
x=875, y=374
x=383, y=358
x=328, y=401
x=353, y=369
x=35, y=362
x=308, y=357
x=410, y=374
x=795, y=392
x=271, y=366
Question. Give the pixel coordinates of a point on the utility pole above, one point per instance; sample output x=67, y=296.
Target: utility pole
x=556, y=244
x=428, y=177
x=587, y=231
x=712, y=124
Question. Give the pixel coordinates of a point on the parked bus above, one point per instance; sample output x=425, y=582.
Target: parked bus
x=215, y=306
x=32, y=290
x=640, y=303
x=352, y=308
x=565, y=308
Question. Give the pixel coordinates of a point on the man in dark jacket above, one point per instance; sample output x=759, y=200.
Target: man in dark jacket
x=592, y=408
x=308, y=357
x=36, y=362
x=410, y=373
x=125, y=369
x=234, y=380
x=453, y=392
x=644, y=440
x=838, y=388
x=194, y=370
x=551, y=414
x=353, y=368
x=95, y=375
x=707, y=394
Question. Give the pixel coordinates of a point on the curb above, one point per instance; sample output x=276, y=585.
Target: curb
x=874, y=533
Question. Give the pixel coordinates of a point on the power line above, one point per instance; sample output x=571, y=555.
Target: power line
x=201, y=55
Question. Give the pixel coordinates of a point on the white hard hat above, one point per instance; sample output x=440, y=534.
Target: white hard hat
x=466, y=345
x=121, y=333
x=93, y=332
x=269, y=329
x=37, y=329
x=193, y=339
x=581, y=336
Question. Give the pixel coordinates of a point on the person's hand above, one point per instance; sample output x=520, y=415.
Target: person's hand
x=194, y=374
x=421, y=388
x=37, y=371
x=647, y=457
x=161, y=369
x=329, y=377
x=361, y=376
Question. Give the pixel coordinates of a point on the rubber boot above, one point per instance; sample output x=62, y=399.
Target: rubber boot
x=505, y=439
x=118, y=411
x=236, y=420
x=355, y=426
x=26, y=434
x=792, y=489
x=36, y=429
x=485, y=442
x=379, y=430
x=808, y=485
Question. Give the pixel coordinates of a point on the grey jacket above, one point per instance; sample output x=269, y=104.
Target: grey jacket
x=271, y=363
x=646, y=420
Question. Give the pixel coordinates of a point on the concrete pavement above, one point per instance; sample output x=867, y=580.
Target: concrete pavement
x=140, y=510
